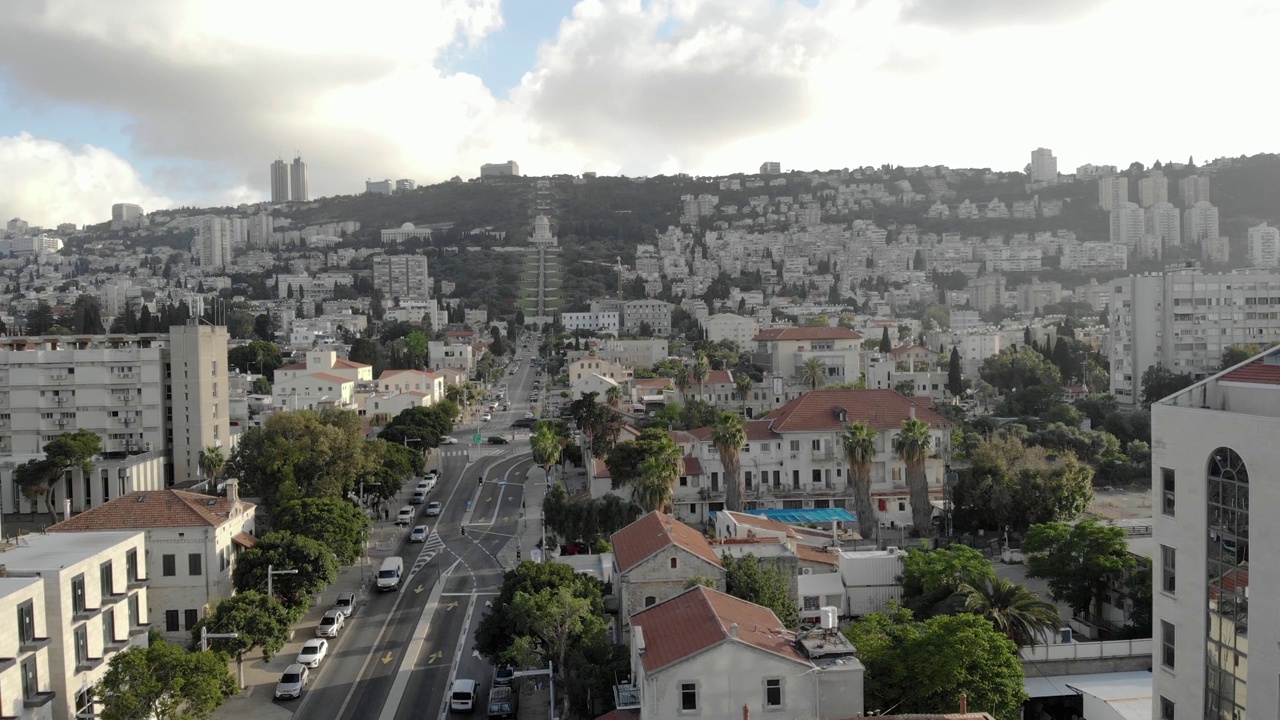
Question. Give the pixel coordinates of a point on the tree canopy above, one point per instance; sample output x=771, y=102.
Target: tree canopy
x=338, y=524
x=282, y=550
x=301, y=454
x=1029, y=382
x=1080, y=561
x=1010, y=486
x=763, y=583
x=164, y=682
x=931, y=578
x=1159, y=382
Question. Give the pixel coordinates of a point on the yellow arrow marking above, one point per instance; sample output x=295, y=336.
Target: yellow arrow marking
x=418, y=589
x=451, y=606
x=387, y=658
x=434, y=656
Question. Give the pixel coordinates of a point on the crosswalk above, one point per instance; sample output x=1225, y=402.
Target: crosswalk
x=430, y=549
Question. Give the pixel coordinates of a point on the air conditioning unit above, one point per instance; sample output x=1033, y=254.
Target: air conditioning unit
x=128, y=375
x=62, y=422
x=148, y=447
x=806, y=571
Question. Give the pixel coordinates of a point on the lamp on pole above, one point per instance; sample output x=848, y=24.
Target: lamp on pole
x=272, y=573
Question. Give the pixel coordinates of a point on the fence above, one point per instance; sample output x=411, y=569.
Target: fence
x=1087, y=650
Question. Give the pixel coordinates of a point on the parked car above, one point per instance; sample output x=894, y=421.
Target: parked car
x=504, y=675
x=292, y=681
x=486, y=417
x=529, y=416
x=346, y=604
x=312, y=652
x=498, y=440
x=418, y=534
x=432, y=473
x=330, y=623
x=405, y=516
x=433, y=509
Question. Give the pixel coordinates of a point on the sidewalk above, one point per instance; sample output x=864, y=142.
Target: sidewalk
x=529, y=528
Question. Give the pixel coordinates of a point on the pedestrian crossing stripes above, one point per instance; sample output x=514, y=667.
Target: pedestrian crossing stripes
x=430, y=549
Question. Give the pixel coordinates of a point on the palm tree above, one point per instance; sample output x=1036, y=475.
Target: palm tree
x=729, y=437
x=812, y=373
x=859, y=442
x=545, y=444
x=683, y=384
x=656, y=487
x=613, y=395
x=701, y=371
x=1015, y=611
x=211, y=462
x=743, y=383
x=912, y=445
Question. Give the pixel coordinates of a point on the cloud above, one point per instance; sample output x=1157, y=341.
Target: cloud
x=47, y=183
x=972, y=14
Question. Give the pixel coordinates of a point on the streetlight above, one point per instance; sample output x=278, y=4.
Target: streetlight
x=272, y=573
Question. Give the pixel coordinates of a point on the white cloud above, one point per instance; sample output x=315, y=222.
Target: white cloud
x=47, y=183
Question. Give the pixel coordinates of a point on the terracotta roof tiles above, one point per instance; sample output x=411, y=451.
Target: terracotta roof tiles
x=1257, y=372
x=652, y=534
x=144, y=509
x=330, y=377
x=692, y=466
x=816, y=411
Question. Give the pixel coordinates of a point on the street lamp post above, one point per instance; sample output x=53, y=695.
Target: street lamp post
x=272, y=573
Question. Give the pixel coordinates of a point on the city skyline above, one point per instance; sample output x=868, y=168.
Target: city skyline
x=494, y=81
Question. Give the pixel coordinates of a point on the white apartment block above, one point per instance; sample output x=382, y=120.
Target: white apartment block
x=1200, y=221
x=26, y=687
x=784, y=351
x=212, y=246
x=656, y=314
x=1128, y=224
x=445, y=354
x=1165, y=222
x=1214, y=446
x=155, y=400
x=1184, y=319
x=1113, y=191
x=1264, y=246
x=1215, y=250
x=1094, y=256
x=95, y=604
x=1044, y=166
x=733, y=328
x=1193, y=189
x=606, y=322
x=1013, y=258
x=192, y=543
x=402, y=276
x=1152, y=189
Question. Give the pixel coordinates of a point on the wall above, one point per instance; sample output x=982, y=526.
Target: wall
x=656, y=577
x=730, y=676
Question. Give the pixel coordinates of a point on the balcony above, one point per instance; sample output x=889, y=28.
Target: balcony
x=824, y=455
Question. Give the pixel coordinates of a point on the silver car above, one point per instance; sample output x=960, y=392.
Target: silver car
x=330, y=624
x=346, y=604
x=295, y=678
x=312, y=652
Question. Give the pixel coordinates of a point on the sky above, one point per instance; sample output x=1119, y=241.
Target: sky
x=187, y=102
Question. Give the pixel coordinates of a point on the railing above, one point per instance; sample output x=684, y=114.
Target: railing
x=1088, y=650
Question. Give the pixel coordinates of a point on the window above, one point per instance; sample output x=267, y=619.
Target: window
x=674, y=563
x=746, y=479
x=107, y=582
x=108, y=628
x=795, y=479
x=1166, y=708
x=1166, y=644
x=1168, y=568
x=795, y=446
x=30, y=680
x=190, y=618
x=650, y=600
x=811, y=602
x=26, y=623
x=816, y=444
x=77, y=594
x=1166, y=478
x=134, y=617
x=689, y=697
x=168, y=565
x=817, y=475
x=773, y=692
x=84, y=704
x=171, y=621
x=193, y=564
x=82, y=645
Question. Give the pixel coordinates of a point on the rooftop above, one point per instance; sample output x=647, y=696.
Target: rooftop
x=652, y=534
x=822, y=410
x=146, y=509
x=55, y=551
x=807, y=333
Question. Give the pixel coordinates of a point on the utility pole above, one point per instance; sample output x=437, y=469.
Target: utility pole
x=206, y=636
x=272, y=573
x=551, y=683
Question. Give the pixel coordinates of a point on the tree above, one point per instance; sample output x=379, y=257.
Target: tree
x=886, y=345
x=1028, y=380
x=859, y=445
x=598, y=422
x=86, y=316
x=259, y=356
x=729, y=437
x=964, y=653
x=1009, y=486
x=1159, y=382
x=743, y=384
x=40, y=478
x=1081, y=561
x=339, y=525
x=427, y=425
x=763, y=583
x=40, y=319
x=701, y=370
x=912, y=444
x=813, y=373
x=211, y=462
x=257, y=620
x=545, y=445
x=302, y=454
x=164, y=682
x=930, y=578
x=955, y=382
x=626, y=458
x=1018, y=613
x=656, y=487
x=614, y=396
x=283, y=550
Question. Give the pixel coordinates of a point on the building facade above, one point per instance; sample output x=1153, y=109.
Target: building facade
x=402, y=276
x=1128, y=224
x=1152, y=189
x=1113, y=191
x=505, y=169
x=655, y=314
x=1264, y=246
x=786, y=350
x=1200, y=222
x=279, y=182
x=1044, y=166
x=298, y=181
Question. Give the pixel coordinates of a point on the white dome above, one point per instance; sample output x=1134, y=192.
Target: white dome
x=407, y=226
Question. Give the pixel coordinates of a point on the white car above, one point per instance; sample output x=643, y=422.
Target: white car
x=405, y=516
x=433, y=509
x=432, y=474
x=313, y=651
x=528, y=416
x=292, y=681
x=330, y=623
x=486, y=417
x=418, y=534
x=448, y=440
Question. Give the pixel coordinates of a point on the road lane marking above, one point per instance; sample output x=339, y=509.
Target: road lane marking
x=457, y=655
x=387, y=658
x=413, y=650
x=435, y=656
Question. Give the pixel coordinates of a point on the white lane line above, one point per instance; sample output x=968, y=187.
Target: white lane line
x=457, y=657
x=413, y=649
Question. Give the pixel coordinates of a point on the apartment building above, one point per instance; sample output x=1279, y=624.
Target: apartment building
x=155, y=400
x=784, y=351
x=1193, y=189
x=729, y=327
x=298, y=181
x=601, y=322
x=1165, y=222
x=1044, y=166
x=402, y=276
x=1213, y=450
x=1184, y=319
x=656, y=314
x=192, y=542
x=1094, y=256
x=447, y=354
x=1113, y=191
x=653, y=560
x=95, y=604
x=212, y=244
x=1128, y=224
x=1152, y=189
x=987, y=292
x=399, y=381
x=1199, y=222
x=505, y=169
x=1264, y=246
x=26, y=687
x=279, y=182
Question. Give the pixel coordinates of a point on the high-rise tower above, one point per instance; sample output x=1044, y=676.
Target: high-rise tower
x=279, y=182
x=298, y=181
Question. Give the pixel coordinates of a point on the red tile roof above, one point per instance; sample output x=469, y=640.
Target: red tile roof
x=692, y=466
x=652, y=383
x=349, y=365
x=881, y=409
x=294, y=366
x=701, y=618
x=763, y=523
x=808, y=554
x=914, y=348
x=144, y=509
x=330, y=377
x=757, y=430
x=654, y=533
x=807, y=333
x=1257, y=372
x=715, y=377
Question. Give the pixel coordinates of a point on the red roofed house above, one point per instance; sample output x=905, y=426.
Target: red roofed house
x=706, y=654
x=785, y=350
x=192, y=541
x=793, y=457
x=324, y=380
x=654, y=557
x=326, y=361
x=717, y=390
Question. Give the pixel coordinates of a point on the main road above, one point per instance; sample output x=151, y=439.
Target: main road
x=402, y=650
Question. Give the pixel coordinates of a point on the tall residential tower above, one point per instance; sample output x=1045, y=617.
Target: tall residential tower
x=279, y=182
x=298, y=181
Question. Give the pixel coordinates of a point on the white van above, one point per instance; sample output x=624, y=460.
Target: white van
x=462, y=698
x=391, y=573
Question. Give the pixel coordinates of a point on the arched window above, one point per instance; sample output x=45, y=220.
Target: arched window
x=674, y=563
x=1227, y=555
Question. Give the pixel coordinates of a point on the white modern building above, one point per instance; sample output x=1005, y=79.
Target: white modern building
x=1193, y=189
x=1128, y=224
x=279, y=182
x=1184, y=319
x=1044, y=166
x=654, y=314
x=26, y=687
x=1213, y=448
x=402, y=276
x=1200, y=222
x=605, y=322
x=1264, y=246
x=1113, y=191
x=505, y=169
x=1165, y=222
x=298, y=181
x=1152, y=189
x=212, y=246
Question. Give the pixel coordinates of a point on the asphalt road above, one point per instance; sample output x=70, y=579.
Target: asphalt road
x=402, y=650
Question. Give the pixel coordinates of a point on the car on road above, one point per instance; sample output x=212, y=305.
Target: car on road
x=498, y=440
x=346, y=604
x=418, y=534
x=504, y=675
x=312, y=652
x=292, y=681
x=524, y=423
x=486, y=417
x=330, y=623
x=419, y=496
x=529, y=416
x=432, y=474
x=433, y=509
x=405, y=516
x=448, y=440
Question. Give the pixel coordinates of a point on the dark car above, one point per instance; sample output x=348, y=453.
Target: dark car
x=498, y=440
x=524, y=423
